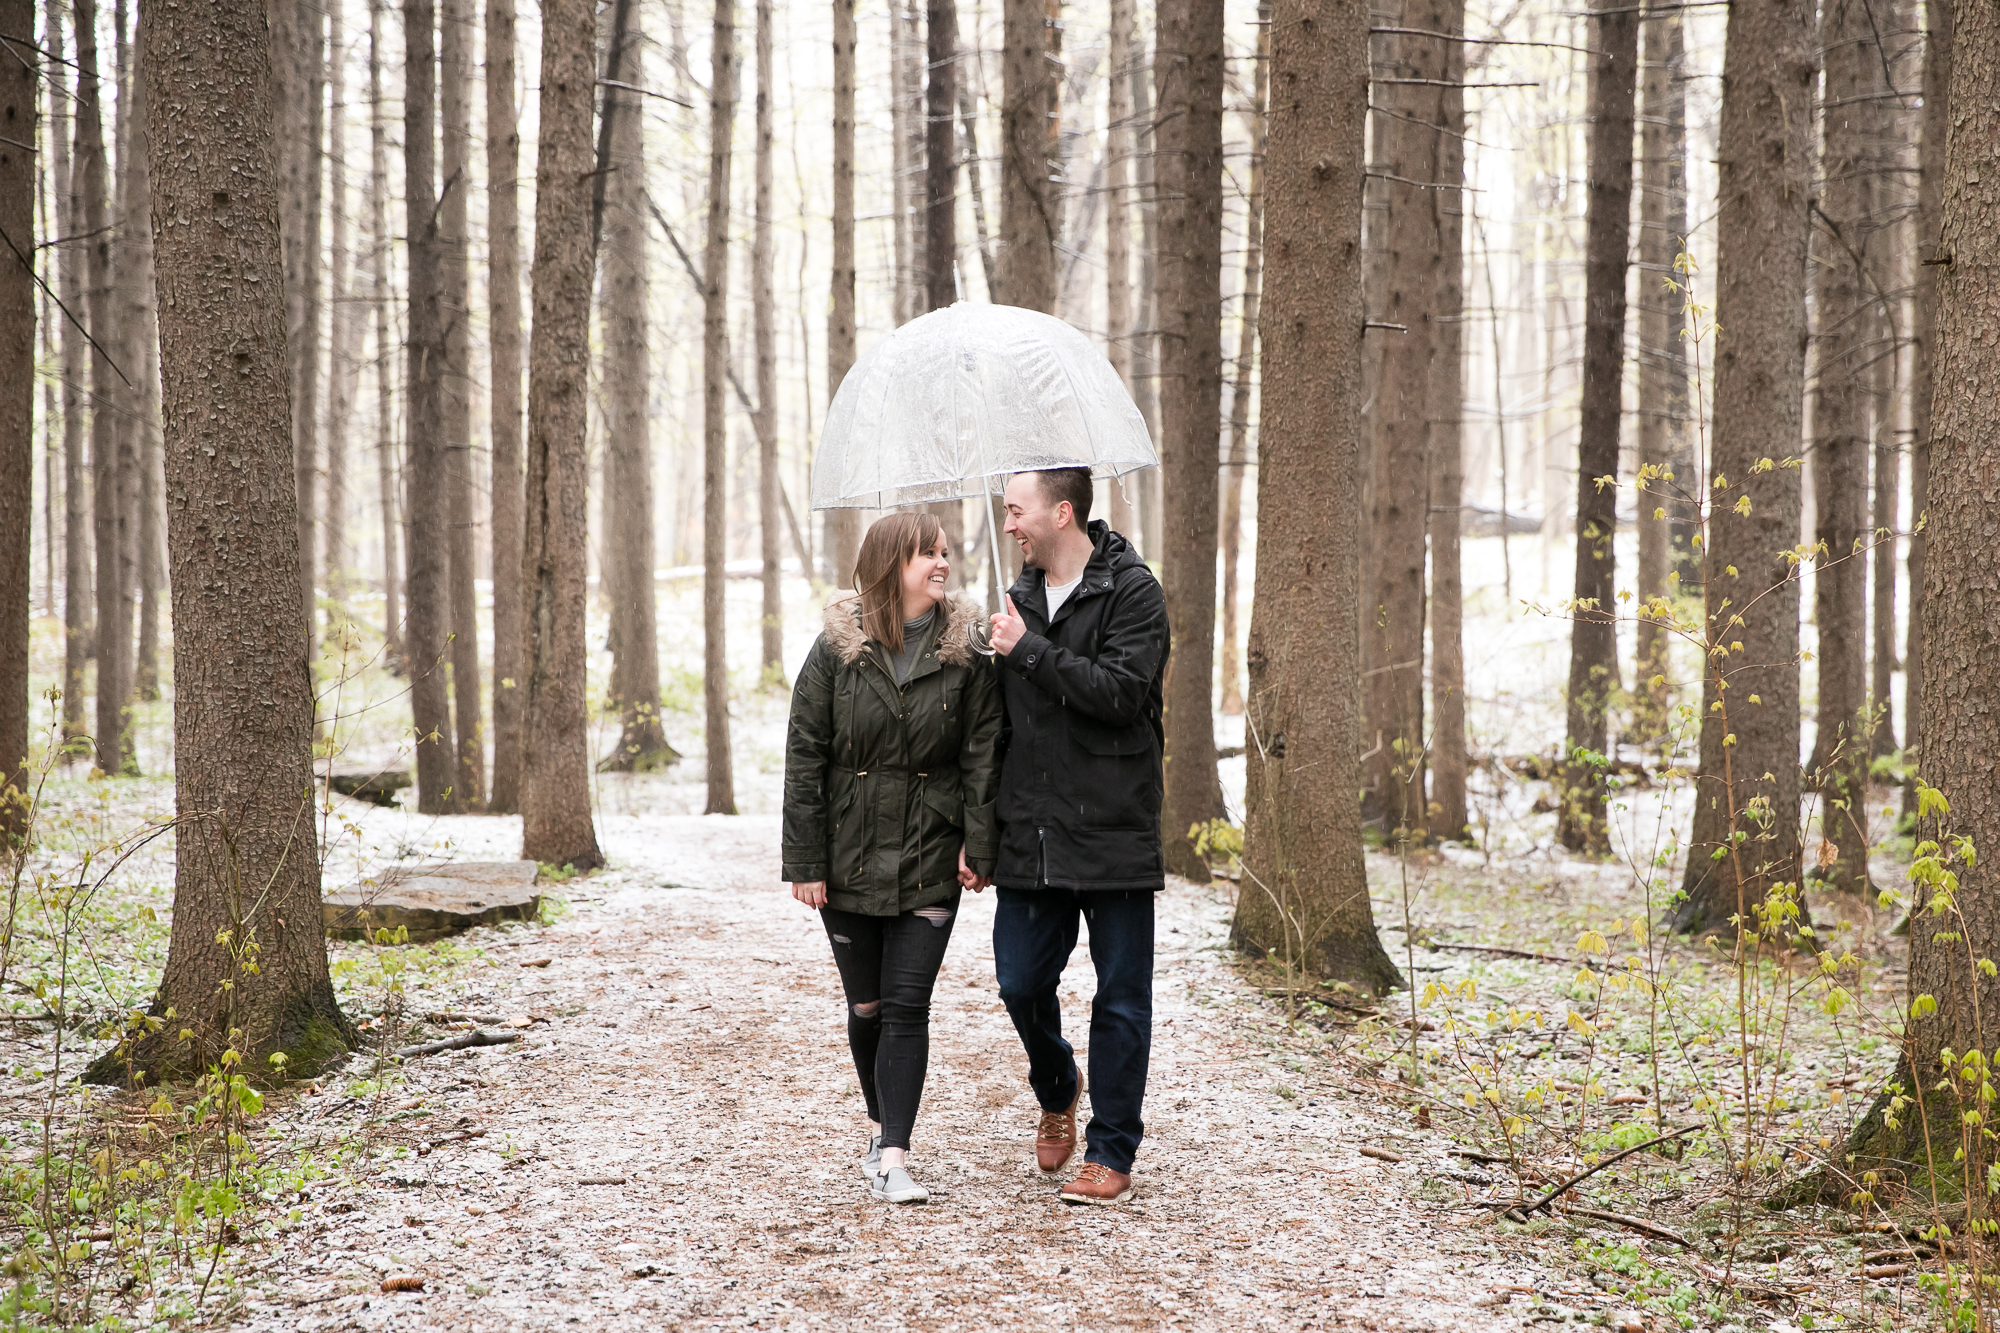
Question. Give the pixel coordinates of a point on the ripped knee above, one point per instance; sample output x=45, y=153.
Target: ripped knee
x=872, y=1009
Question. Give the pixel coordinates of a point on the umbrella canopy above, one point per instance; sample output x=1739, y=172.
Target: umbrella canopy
x=962, y=395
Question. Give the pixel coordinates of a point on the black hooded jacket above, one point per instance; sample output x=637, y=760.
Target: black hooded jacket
x=1080, y=780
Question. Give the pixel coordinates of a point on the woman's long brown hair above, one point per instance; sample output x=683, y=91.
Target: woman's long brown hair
x=886, y=550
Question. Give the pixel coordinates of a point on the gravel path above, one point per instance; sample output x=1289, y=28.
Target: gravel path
x=696, y=1051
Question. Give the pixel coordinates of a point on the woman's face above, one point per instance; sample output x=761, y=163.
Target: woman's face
x=924, y=578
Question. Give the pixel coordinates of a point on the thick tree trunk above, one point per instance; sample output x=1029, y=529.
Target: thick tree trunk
x=1960, y=722
x=387, y=470
x=1117, y=229
x=1935, y=131
x=1843, y=248
x=455, y=85
x=1304, y=901
x=1235, y=468
x=1750, y=730
x=113, y=639
x=343, y=357
x=20, y=101
x=1190, y=61
x=1593, y=657
x=429, y=556
x=503, y=292
x=940, y=156
x=628, y=446
x=139, y=445
x=556, y=825
x=843, y=538
x=715, y=407
x=78, y=597
x=299, y=60
x=904, y=167
x=247, y=875
x=1663, y=363
x=764, y=333
x=1029, y=202
x=1446, y=815
x=1146, y=342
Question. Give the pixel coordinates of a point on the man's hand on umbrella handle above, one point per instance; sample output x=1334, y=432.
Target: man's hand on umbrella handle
x=1008, y=627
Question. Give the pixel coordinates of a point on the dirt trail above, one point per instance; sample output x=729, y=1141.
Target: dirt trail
x=697, y=1050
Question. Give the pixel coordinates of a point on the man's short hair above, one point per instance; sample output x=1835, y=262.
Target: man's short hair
x=1071, y=484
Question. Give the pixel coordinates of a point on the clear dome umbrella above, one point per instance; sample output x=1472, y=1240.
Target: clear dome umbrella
x=954, y=402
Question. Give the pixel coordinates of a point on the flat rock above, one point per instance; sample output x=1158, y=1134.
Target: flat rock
x=378, y=785
x=432, y=902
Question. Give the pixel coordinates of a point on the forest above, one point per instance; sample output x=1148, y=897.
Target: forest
x=1575, y=433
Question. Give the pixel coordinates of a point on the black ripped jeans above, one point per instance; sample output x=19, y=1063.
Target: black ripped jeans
x=888, y=965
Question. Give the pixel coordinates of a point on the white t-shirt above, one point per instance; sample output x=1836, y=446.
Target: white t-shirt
x=1057, y=594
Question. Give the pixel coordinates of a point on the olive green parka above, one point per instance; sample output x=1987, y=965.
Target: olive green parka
x=883, y=785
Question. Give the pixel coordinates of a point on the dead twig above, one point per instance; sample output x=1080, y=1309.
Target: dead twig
x=1519, y=1211
x=461, y=1043
x=1500, y=951
x=1638, y=1224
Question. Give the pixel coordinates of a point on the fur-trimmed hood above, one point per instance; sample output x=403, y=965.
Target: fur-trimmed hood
x=844, y=635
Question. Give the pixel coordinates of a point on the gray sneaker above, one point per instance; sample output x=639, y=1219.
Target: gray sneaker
x=871, y=1165
x=895, y=1186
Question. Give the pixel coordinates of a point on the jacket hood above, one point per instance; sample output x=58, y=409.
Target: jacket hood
x=1110, y=555
x=842, y=625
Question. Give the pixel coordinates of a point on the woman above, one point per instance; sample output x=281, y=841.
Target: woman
x=890, y=774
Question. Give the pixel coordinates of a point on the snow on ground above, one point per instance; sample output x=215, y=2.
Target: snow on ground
x=696, y=1050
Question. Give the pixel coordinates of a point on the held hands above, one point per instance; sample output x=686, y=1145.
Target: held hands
x=1008, y=627
x=967, y=877
x=812, y=894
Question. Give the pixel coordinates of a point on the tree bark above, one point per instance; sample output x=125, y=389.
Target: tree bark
x=1146, y=343
x=940, y=156
x=1117, y=229
x=343, y=357
x=843, y=538
x=1235, y=468
x=113, y=639
x=1446, y=816
x=299, y=60
x=715, y=407
x=1304, y=901
x=1960, y=726
x=1190, y=62
x=455, y=85
x=1750, y=696
x=764, y=333
x=429, y=556
x=905, y=168
x=1934, y=133
x=20, y=104
x=247, y=875
x=556, y=825
x=503, y=291
x=1593, y=659
x=78, y=596
x=387, y=469
x=1029, y=85
x=139, y=444
x=628, y=446
x=1663, y=502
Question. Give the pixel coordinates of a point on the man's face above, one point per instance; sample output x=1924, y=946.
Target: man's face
x=1032, y=520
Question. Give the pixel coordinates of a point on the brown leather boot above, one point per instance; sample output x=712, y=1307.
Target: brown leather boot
x=1055, y=1136
x=1098, y=1183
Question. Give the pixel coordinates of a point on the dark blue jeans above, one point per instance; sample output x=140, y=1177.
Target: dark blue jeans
x=1033, y=934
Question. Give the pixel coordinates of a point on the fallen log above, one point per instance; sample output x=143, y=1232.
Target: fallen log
x=461, y=1043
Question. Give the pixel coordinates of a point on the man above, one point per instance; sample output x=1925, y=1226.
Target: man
x=1082, y=646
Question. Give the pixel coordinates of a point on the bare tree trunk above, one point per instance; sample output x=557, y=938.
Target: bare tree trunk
x=78, y=597
x=113, y=640
x=343, y=363
x=299, y=59
x=901, y=166
x=20, y=106
x=1960, y=729
x=556, y=825
x=1030, y=81
x=455, y=85
x=386, y=468
x=764, y=326
x=1663, y=362
x=1593, y=658
x=1235, y=468
x=1887, y=492
x=1765, y=155
x=843, y=539
x=247, y=868
x=429, y=556
x=503, y=291
x=1304, y=900
x=1190, y=186
x=715, y=424
x=140, y=447
x=1146, y=343
x=628, y=446
x=975, y=173
x=1118, y=230
x=941, y=157
x=1938, y=41
x=1446, y=815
